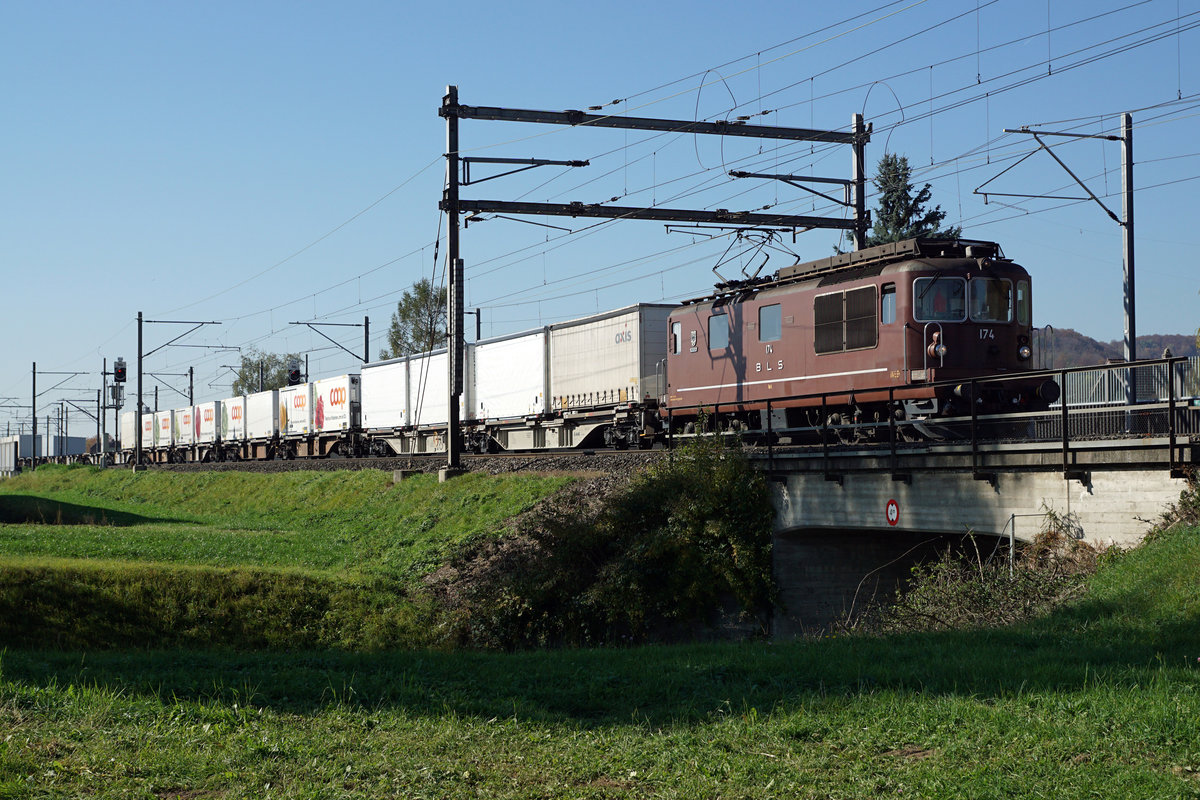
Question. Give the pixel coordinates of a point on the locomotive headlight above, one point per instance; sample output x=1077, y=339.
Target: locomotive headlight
x=1024, y=352
x=936, y=349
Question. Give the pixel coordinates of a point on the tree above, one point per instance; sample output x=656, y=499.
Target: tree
x=901, y=214
x=419, y=321
x=274, y=371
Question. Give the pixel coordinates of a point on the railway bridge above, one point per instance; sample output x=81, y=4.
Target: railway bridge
x=854, y=513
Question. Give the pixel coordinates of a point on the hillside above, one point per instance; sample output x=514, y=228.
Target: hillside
x=95, y=558
x=1070, y=348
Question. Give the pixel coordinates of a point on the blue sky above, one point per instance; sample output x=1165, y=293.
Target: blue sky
x=259, y=163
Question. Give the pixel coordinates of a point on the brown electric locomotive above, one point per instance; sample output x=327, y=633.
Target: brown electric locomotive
x=877, y=326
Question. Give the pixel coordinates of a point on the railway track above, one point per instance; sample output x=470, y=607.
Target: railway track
x=575, y=461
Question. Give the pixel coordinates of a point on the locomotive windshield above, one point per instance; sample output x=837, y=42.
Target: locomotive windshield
x=991, y=300
x=939, y=299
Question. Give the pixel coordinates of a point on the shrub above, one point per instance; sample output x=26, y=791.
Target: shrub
x=966, y=589
x=658, y=557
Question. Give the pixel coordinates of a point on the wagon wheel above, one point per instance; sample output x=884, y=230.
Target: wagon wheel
x=646, y=440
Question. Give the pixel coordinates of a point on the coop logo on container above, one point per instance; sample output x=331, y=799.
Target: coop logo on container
x=236, y=413
x=166, y=425
x=623, y=337
x=337, y=396
x=208, y=415
x=299, y=401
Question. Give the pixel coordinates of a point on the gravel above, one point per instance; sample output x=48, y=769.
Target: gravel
x=584, y=461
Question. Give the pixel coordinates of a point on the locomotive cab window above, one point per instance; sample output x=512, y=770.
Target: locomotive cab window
x=939, y=299
x=718, y=332
x=676, y=343
x=1023, y=306
x=887, y=304
x=770, y=323
x=991, y=300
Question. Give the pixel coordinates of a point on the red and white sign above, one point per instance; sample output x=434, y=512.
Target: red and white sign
x=893, y=512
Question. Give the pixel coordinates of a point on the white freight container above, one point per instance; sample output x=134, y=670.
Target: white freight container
x=185, y=429
x=45, y=444
x=385, y=395
x=509, y=376
x=262, y=414
x=337, y=403
x=10, y=447
x=208, y=422
x=164, y=428
x=609, y=358
x=427, y=394
x=295, y=410
x=233, y=418
x=128, y=429
x=149, y=431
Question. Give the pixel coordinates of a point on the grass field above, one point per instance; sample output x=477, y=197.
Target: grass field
x=100, y=558
x=353, y=520
x=1102, y=699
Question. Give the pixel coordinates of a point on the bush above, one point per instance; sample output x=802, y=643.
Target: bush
x=966, y=589
x=659, y=557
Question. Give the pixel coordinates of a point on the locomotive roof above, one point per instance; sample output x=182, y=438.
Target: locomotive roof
x=869, y=257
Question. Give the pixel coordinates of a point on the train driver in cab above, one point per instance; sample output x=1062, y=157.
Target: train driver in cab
x=941, y=299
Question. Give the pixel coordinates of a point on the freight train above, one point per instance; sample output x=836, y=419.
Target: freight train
x=838, y=341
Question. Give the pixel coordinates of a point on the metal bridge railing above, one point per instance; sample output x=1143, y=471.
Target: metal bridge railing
x=1094, y=405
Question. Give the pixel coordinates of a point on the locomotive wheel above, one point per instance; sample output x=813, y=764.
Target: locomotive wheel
x=838, y=434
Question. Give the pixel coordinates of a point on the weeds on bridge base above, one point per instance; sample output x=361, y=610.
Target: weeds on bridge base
x=1187, y=510
x=968, y=587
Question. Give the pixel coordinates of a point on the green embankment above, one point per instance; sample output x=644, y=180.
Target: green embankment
x=1100, y=699
x=294, y=560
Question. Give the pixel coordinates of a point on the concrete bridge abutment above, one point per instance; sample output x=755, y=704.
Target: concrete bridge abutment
x=1106, y=507
x=843, y=541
